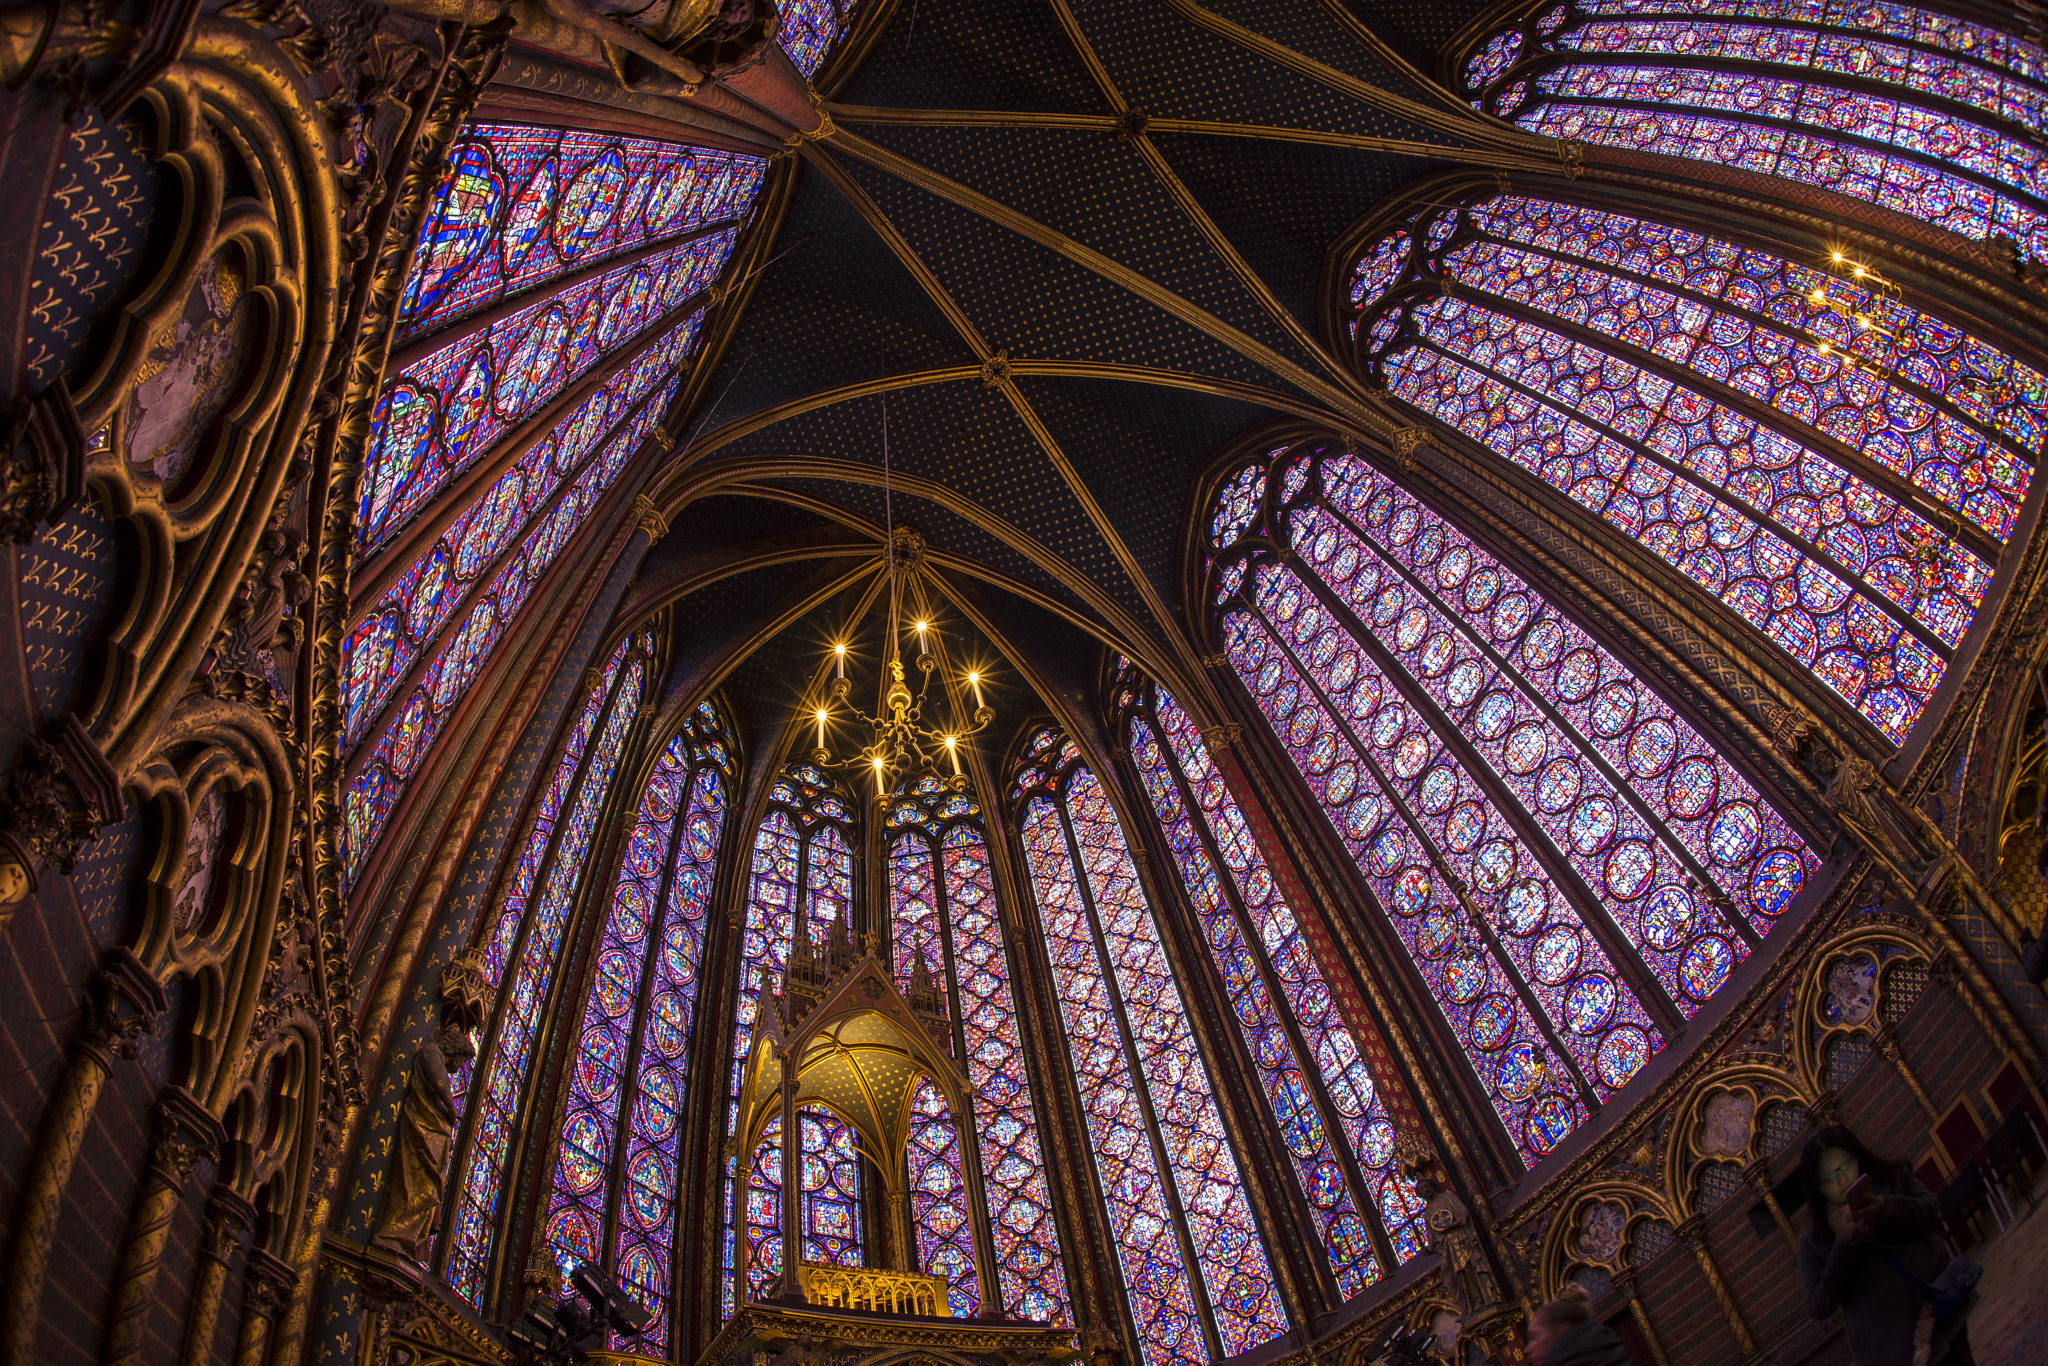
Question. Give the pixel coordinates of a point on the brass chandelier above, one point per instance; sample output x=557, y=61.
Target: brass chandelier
x=901, y=744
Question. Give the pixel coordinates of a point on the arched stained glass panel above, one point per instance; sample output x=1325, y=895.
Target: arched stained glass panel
x=943, y=909
x=384, y=639
x=615, y=1172
x=938, y=1199
x=1334, y=1125
x=545, y=494
x=829, y=1210
x=1846, y=489
x=1915, y=110
x=576, y=1218
x=1615, y=738
x=505, y=1075
x=809, y=29
x=801, y=860
x=521, y=205
x=1537, y=1093
x=1027, y=1243
x=437, y=417
x=1126, y=1020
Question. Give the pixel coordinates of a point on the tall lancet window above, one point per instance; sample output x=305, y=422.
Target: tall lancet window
x=1194, y=1264
x=559, y=280
x=1321, y=1095
x=614, y=1197
x=1840, y=470
x=801, y=878
x=1913, y=109
x=527, y=939
x=1572, y=867
x=947, y=936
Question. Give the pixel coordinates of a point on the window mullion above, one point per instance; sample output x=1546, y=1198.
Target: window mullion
x=1592, y=911
x=1899, y=615
x=990, y=1294
x=1420, y=829
x=1735, y=400
x=1283, y=1008
x=414, y=349
x=1899, y=488
x=1587, y=750
x=1839, y=136
x=1142, y=1084
x=636, y=1046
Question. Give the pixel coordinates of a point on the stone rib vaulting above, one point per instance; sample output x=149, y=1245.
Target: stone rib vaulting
x=1143, y=681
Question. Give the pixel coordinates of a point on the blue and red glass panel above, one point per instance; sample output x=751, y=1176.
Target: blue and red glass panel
x=476, y=1203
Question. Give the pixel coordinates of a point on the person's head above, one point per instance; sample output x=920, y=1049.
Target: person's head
x=1572, y=1307
x=1832, y=1162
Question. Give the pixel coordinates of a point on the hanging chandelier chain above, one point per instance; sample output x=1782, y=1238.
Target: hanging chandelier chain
x=901, y=743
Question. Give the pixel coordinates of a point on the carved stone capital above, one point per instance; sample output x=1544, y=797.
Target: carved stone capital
x=186, y=1135
x=270, y=1284
x=649, y=516
x=1692, y=1232
x=228, y=1220
x=1216, y=661
x=38, y=483
x=1823, y=1109
x=1406, y=441
x=1221, y=736
x=59, y=796
x=128, y=1001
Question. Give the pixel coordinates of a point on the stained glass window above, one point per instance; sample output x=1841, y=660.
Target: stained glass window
x=438, y=415
x=519, y=206
x=943, y=911
x=801, y=874
x=543, y=497
x=1554, y=843
x=1328, y=1109
x=411, y=733
x=810, y=28
x=615, y=1171
x=528, y=937
x=1193, y=1261
x=1839, y=469
x=829, y=1210
x=1932, y=116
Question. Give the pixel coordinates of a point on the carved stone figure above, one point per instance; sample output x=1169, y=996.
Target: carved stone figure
x=263, y=619
x=411, y=1213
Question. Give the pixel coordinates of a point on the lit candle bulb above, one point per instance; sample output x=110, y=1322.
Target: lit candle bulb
x=880, y=789
x=839, y=653
x=974, y=682
x=922, y=648
x=953, y=748
x=821, y=728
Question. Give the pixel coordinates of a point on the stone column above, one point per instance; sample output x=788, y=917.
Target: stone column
x=132, y=999
x=1625, y=1282
x=228, y=1220
x=266, y=1289
x=186, y=1134
x=1693, y=1233
x=1759, y=1176
x=792, y=1194
x=1886, y=1041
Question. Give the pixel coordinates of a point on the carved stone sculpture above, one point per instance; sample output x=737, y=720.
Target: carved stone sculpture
x=411, y=1213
